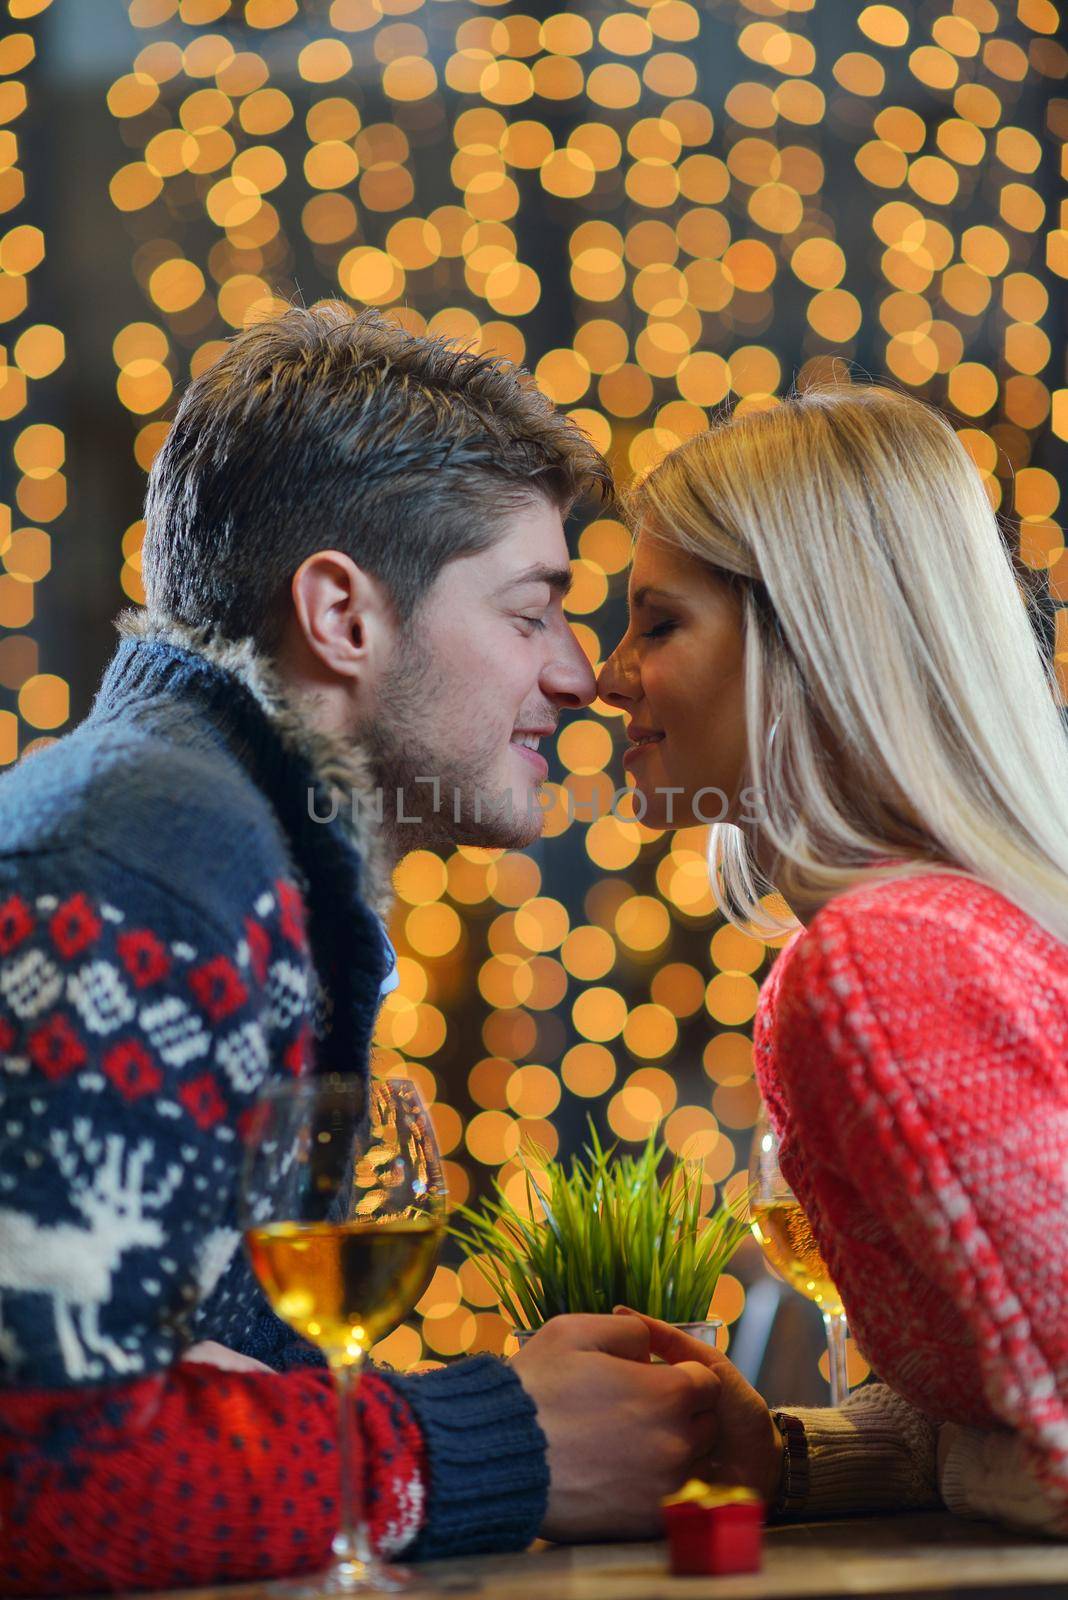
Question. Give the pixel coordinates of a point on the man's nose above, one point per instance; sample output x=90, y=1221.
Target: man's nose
x=569, y=678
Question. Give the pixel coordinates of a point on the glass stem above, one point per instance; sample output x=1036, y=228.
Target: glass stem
x=352, y=1543
x=837, y=1328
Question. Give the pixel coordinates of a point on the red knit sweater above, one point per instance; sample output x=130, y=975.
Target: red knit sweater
x=912, y=1049
x=193, y=1477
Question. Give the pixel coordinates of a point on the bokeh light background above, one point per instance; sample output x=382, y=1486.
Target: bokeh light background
x=657, y=207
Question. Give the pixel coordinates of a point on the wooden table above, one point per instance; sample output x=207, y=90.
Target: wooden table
x=883, y=1557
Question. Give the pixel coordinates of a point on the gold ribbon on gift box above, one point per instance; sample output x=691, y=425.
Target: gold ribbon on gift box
x=708, y=1495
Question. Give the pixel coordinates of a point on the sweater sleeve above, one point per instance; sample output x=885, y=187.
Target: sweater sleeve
x=988, y=1474
x=192, y=1477
x=487, y=1468
x=131, y=1050
x=920, y=1129
x=874, y=1453
x=878, y=1453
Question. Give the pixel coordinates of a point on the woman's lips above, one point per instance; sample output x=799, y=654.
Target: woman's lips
x=636, y=751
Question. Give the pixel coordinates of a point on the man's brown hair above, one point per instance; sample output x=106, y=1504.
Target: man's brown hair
x=331, y=429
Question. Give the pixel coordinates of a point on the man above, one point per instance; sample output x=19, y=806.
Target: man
x=355, y=565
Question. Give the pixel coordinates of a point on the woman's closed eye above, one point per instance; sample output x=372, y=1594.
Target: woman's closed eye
x=661, y=629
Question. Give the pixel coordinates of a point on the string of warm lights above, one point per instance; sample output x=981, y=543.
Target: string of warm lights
x=30, y=700
x=659, y=206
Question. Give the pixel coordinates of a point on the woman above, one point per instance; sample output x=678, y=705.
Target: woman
x=825, y=626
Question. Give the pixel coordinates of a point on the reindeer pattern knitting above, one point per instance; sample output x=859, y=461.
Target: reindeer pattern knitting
x=75, y=1264
x=129, y=1064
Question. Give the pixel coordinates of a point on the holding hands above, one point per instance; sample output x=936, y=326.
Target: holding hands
x=624, y=1431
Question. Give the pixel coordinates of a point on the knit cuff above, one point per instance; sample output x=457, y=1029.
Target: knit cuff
x=875, y=1453
x=989, y=1474
x=486, y=1458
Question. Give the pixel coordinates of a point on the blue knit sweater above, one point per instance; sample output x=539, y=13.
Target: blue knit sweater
x=175, y=929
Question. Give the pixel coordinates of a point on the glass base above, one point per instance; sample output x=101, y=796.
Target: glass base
x=344, y=1577
x=363, y=1577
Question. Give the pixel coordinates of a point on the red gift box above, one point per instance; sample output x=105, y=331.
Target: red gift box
x=713, y=1530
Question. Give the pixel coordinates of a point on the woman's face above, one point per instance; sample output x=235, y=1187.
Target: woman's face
x=677, y=673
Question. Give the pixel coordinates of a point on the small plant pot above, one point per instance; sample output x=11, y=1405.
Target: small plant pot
x=705, y=1332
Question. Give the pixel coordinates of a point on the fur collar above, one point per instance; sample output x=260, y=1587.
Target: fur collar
x=343, y=769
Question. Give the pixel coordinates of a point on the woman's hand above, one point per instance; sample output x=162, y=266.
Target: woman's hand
x=747, y=1446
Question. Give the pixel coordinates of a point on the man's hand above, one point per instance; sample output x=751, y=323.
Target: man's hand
x=622, y=1433
x=212, y=1354
x=746, y=1445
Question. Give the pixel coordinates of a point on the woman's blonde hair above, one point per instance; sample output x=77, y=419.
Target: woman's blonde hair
x=901, y=717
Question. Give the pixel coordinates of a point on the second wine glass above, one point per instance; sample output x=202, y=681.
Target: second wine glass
x=785, y=1235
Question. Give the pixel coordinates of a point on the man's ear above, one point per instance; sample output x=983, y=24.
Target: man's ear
x=342, y=615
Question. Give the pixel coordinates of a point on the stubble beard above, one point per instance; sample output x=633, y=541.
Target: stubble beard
x=404, y=756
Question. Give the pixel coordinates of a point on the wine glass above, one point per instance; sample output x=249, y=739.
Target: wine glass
x=344, y=1211
x=785, y=1235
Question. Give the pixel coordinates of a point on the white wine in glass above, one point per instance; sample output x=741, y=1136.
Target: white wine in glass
x=344, y=1210
x=344, y=1285
x=784, y=1233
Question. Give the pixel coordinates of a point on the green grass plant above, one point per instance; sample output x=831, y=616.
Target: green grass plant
x=615, y=1232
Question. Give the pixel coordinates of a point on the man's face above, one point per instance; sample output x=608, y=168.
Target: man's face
x=483, y=671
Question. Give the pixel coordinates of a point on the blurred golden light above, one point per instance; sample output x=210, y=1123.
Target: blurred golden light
x=642, y=923
x=614, y=86
x=886, y=25
x=728, y=1058
x=330, y=164
x=819, y=262
x=39, y=450
x=973, y=388
x=613, y=845
x=599, y=1014
x=420, y=878
x=370, y=275
x=505, y=981
x=28, y=555
x=835, y=314
x=692, y=1132
x=588, y=952
x=633, y=1113
x=731, y=998
x=533, y=1091
x=588, y=1070
x=488, y=1083
x=266, y=111
x=433, y=930
x=542, y=924
x=492, y=1137
x=608, y=543
x=513, y=878
x=176, y=284
x=650, y=1031
x=755, y=370
x=584, y=746
x=564, y=375
x=737, y=1105
x=324, y=60
x=44, y=701
x=860, y=73
x=589, y=591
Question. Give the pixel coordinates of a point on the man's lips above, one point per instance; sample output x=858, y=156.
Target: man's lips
x=534, y=757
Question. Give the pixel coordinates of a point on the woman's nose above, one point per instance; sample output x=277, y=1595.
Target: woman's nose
x=614, y=685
